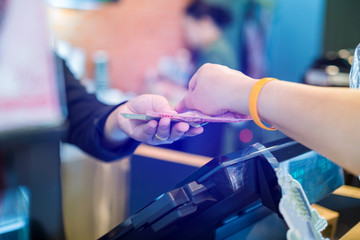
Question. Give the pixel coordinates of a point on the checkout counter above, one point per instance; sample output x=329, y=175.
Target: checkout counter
x=176, y=195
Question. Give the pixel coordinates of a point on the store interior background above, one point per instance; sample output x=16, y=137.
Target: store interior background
x=135, y=35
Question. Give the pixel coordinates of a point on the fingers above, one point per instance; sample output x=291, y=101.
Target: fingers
x=165, y=134
x=161, y=104
x=148, y=130
x=148, y=102
x=178, y=131
x=163, y=130
x=193, y=131
x=153, y=132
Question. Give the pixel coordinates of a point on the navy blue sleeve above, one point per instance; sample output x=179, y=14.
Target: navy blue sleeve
x=86, y=120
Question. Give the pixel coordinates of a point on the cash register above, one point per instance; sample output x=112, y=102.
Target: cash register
x=231, y=194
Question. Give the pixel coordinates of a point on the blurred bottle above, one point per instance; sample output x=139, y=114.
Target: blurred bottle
x=101, y=61
x=355, y=69
x=104, y=92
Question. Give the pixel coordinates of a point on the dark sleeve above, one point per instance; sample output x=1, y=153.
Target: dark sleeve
x=86, y=119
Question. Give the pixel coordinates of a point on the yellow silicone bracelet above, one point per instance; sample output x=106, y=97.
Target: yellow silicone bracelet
x=254, y=95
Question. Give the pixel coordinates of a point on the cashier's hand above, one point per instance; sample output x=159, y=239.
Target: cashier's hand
x=152, y=132
x=215, y=89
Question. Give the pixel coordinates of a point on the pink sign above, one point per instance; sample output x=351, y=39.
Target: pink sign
x=29, y=94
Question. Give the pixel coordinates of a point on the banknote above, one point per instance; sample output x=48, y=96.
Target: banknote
x=193, y=118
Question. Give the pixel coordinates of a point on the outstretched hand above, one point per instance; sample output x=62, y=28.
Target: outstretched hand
x=152, y=132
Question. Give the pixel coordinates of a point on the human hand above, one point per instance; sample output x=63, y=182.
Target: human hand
x=216, y=89
x=151, y=132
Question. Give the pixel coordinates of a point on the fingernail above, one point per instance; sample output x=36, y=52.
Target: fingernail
x=152, y=124
x=164, y=122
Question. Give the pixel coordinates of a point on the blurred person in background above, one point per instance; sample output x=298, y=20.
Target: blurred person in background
x=203, y=26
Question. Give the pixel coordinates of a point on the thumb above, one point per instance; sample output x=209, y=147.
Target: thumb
x=184, y=105
x=161, y=104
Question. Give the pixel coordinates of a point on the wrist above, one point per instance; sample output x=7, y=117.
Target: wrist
x=114, y=134
x=240, y=92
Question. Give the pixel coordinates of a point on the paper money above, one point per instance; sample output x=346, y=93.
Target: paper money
x=193, y=118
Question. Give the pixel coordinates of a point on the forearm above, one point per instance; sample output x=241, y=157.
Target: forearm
x=324, y=119
x=86, y=121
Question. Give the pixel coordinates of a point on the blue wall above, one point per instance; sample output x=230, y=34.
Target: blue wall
x=297, y=37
